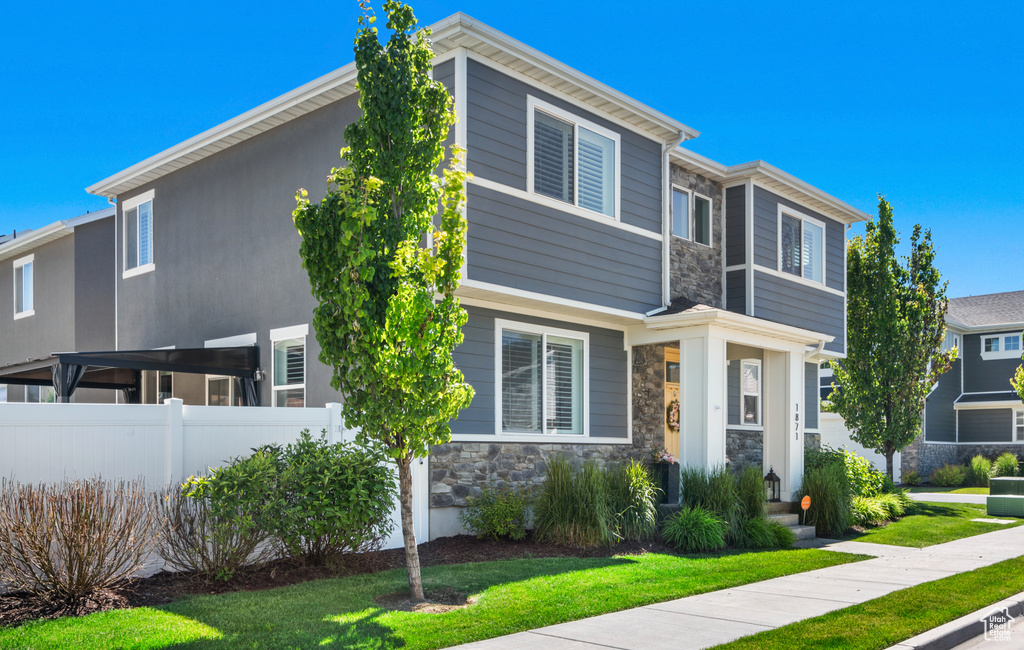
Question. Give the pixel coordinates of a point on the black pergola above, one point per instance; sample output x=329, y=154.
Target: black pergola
x=122, y=370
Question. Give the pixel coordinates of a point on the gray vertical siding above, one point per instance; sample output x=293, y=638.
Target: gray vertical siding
x=733, y=384
x=811, y=395
x=496, y=133
x=736, y=291
x=981, y=376
x=735, y=226
x=525, y=245
x=939, y=415
x=766, y=236
x=985, y=425
x=791, y=303
x=608, y=374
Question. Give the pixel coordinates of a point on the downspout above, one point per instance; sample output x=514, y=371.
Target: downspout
x=666, y=219
x=815, y=352
x=111, y=201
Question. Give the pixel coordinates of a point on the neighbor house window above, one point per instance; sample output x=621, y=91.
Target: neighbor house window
x=541, y=377
x=138, y=234
x=750, y=385
x=802, y=244
x=40, y=394
x=24, y=272
x=289, y=371
x=220, y=391
x=3, y=393
x=1018, y=425
x=691, y=216
x=1000, y=346
x=573, y=160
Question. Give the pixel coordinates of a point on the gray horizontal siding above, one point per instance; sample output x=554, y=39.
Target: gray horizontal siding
x=791, y=303
x=985, y=425
x=811, y=395
x=939, y=415
x=475, y=357
x=735, y=226
x=981, y=376
x=445, y=73
x=496, y=143
x=525, y=245
x=736, y=291
x=766, y=236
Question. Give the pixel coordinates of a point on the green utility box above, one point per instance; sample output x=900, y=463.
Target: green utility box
x=1005, y=505
x=1006, y=485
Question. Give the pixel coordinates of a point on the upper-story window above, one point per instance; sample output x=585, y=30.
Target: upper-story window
x=289, y=371
x=801, y=245
x=952, y=340
x=1000, y=346
x=138, y=234
x=572, y=160
x=1018, y=425
x=24, y=272
x=691, y=216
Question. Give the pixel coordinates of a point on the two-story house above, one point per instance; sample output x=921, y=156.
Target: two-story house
x=624, y=294
x=973, y=409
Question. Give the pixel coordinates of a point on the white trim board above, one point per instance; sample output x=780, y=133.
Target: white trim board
x=238, y=341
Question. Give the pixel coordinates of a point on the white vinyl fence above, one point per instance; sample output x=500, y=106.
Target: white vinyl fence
x=163, y=444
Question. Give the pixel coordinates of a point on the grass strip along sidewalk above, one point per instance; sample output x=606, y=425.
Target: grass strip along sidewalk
x=933, y=523
x=895, y=617
x=513, y=596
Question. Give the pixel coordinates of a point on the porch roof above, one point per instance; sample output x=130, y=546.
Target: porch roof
x=687, y=313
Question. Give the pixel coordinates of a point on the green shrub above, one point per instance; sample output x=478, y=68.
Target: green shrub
x=572, y=509
x=750, y=493
x=1006, y=465
x=865, y=479
x=895, y=503
x=867, y=511
x=784, y=537
x=633, y=500
x=829, y=489
x=912, y=478
x=763, y=533
x=816, y=458
x=316, y=499
x=949, y=476
x=695, y=530
x=979, y=471
x=497, y=512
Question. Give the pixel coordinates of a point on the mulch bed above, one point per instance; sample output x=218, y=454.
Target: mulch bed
x=165, y=587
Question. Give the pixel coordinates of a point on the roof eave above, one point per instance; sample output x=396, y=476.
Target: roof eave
x=730, y=319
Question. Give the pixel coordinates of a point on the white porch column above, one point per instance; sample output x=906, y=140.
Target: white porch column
x=784, y=417
x=797, y=422
x=702, y=399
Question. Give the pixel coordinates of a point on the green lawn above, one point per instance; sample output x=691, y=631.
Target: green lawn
x=950, y=490
x=929, y=523
x=513, y=595
x=896, y=617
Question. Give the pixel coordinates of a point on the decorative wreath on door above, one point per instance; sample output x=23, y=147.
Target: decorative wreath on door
x=672, y=416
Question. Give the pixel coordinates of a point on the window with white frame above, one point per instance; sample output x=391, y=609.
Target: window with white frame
x=1018, y=425
x=289, y=366
x=952, y=340
x=801, y=246
x=138, y=233
x=750, y=390
x=24, y=287
x=1001, y=346
x=542, y=375
x=573, y=160
x=691, y=216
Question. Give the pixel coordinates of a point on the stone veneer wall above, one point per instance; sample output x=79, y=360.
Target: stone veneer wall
x=648, y=397
x=696, y=270
x=812, y=440
x=926, y=458
x=745, y=448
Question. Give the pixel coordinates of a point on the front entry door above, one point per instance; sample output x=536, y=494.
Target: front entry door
x=672, y=411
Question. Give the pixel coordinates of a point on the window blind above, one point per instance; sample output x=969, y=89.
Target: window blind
x=791, y=245
x=812, y=247
x=564, y=403
x=145, y=233
x=553, y=157
x=520, y=382
x=596, y=172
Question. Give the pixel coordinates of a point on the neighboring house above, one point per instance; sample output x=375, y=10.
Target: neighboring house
x=973, y=408
x=57, y=289
x=609, y=272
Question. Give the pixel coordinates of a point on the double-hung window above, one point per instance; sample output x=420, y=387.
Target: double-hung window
x=1018, y=425
x=289, y=371
x=572, y=160
x=138, y=234
x=750, y=389
x=691, y=216
x=802, y=245
x=542, y=377
x=24, y=283
x=1001, y=346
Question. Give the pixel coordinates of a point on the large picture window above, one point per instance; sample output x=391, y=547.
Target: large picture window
x=138, y=234
x=289, y=371
x=802, y=246
x=541, y=377
x=24, y=287
x=573, y=160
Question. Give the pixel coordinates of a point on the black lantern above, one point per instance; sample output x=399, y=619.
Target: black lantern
x=772, y=486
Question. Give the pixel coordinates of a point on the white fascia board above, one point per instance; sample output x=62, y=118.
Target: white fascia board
x=730, y=320
x=90, y=217
x=43, y=235
x=979, y=406
x=996, y=328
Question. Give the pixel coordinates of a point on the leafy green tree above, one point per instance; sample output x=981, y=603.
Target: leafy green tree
x=1018, y=379
x=384, y=251
x=895, y=326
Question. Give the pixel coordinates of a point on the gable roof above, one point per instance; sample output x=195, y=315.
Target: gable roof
x=987, y=311
x=26, y=240
x=458, y=30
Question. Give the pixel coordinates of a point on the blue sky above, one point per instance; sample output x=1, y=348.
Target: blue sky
x=920, y=101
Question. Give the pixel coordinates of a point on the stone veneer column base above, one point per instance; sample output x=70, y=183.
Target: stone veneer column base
x=745, y=448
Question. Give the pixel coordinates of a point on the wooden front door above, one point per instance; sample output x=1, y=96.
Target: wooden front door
x=671, y=395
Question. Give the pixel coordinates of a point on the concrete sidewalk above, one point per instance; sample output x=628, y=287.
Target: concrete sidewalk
x=948, y=497
x=718, y=617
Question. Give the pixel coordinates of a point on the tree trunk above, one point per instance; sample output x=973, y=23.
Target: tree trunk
x=889, y=451
x=412, y=553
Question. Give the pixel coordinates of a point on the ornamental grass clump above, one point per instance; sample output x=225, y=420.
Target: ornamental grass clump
x=632, y=498
x=1006, y=465
x=572, y=509
x=695, y=529
x=62, y=542
x=497, y=512
x=867, y=511
x=979, y=471
x=949, y=476
x=829, y=489
x=712, y=489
